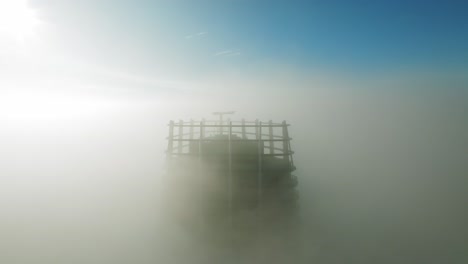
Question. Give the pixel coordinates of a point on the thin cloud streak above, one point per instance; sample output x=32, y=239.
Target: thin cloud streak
x=222, y=52
x=227, y=53
x=196, y=35
x=233, y=54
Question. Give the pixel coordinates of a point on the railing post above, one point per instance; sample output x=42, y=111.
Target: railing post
x=202, y=128
x=181, y=135
x=244, y=135
x=202, y=135
x=230, y=172
x=259, y=173
x=221, y=130
x=191, y=128
x=272, y=144
x=200, y=183
x=171, y=138
x=285, y=141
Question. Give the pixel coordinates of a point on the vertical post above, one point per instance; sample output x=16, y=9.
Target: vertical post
x=230, y=173
x=191, y=144
x=181, y=135
x=244, y=135
x=291, y=161
x=191, y=129
x=258, y=125
x=285, y=141
x=202, y=135
x=171, y=138
x=200, y=179
x=221, y=124
x=270, y=130
x=202, y=129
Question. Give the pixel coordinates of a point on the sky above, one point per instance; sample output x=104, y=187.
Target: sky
x=137, y=49
x=376, y=93
x=377, y=33
x=186, y=41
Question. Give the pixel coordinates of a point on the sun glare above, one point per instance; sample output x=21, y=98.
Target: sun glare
x=51, y=107
x=17, y=19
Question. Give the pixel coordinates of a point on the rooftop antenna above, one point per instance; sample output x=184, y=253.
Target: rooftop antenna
x=221, y=114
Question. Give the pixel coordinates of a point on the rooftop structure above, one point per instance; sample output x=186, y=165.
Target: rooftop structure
x=230, y=169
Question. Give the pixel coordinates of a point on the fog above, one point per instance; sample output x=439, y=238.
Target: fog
x=376, y=95
x=382, y=179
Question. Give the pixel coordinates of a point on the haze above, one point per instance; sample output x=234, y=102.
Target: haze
x=376, y=94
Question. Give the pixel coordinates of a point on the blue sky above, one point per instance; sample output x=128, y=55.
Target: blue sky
x=357, y=35
x=145, y=48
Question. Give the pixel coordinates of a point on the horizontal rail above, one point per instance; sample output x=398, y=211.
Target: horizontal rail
x=233, y=133
x=217, y=154
x=275, y=148
x=186, y=134
x=206, y=125
x=266, y=147
x=226, y=140
x=252, y=133
x=225, y=121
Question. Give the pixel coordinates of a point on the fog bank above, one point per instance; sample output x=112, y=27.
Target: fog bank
x=381, y=179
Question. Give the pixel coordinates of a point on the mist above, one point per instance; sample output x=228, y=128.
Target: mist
x=376, y=96
x=381, y=179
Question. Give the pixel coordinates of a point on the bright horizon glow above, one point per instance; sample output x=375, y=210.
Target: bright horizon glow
x=51, y=107
x=17, y=19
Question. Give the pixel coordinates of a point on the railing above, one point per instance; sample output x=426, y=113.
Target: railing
x=274, y=142
x=184, y=135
